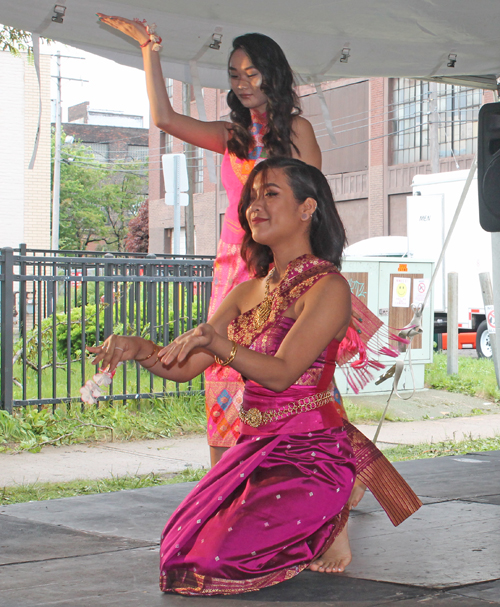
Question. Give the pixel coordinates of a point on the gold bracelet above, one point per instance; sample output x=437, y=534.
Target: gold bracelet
x=230, y=358
x=154, y=363
x=141, y=360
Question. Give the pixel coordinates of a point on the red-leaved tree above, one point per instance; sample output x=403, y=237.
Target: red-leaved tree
x=137, y=240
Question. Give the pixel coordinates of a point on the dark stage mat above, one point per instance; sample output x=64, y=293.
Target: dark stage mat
x=24, y=541
x=130, y=578
x=443, y=545
x=138, y=514
x=457, y=477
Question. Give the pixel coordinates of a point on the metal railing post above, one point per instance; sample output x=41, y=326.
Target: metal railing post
x=7, y=311
x=176, y=301
x=108, y=297
x=151, y=295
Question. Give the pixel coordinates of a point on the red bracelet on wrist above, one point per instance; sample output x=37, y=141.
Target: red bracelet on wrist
x=151, y=29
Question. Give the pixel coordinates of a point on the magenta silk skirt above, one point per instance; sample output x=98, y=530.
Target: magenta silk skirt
x=271, y=506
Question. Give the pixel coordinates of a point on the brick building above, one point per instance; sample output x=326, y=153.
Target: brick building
x=25, y=195
x=383, y=129
x=205, y=194
x=378, y=141
x=113, y=136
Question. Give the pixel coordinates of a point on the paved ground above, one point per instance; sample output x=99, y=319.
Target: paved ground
x=104, y=460
x=426, y=405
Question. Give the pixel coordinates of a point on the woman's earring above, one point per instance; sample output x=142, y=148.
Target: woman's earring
x=305, y=216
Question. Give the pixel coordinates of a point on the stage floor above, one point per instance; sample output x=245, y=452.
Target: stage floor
x=102, y=550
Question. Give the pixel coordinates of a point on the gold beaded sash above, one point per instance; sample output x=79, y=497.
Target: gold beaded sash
x=255, y=418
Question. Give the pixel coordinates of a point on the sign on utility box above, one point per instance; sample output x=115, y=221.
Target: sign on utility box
x=176, y=180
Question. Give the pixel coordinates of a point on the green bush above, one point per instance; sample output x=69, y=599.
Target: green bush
x=42, y=336
x=76, y=330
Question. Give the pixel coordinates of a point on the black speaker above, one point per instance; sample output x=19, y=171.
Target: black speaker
x=488, y=167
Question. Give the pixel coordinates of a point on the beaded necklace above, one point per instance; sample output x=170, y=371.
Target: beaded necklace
x=264, y=309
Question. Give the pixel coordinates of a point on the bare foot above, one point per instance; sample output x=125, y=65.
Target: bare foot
x=357, y=494
x=336, y=558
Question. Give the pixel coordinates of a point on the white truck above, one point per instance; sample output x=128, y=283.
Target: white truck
x=429, y=214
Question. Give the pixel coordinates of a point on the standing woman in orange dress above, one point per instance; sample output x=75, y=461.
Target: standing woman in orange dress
x=265, y=122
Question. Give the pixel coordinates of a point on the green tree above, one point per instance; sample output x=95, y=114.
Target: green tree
x=82, y=218
x=16, y=41
x=96, y=201
x=123, y=200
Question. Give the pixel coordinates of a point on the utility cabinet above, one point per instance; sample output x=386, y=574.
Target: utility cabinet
x=388, y=287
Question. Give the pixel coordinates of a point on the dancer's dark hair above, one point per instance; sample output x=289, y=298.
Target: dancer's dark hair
x=282, y=105
x=327, y=234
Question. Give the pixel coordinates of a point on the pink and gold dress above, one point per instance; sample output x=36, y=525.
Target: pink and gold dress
x=277, y=499
x=224, y=386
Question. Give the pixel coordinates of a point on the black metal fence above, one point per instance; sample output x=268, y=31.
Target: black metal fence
x=52, y=306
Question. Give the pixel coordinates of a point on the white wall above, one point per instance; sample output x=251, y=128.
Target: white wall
x=25, y=194
x=11, y=150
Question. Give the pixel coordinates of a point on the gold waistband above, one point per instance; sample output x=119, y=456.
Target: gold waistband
x=255, y=418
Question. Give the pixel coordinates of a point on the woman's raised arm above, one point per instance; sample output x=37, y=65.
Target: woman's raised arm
x=305, y=140
x=208, y=135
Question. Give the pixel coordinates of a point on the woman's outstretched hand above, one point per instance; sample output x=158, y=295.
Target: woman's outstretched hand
x=118, y=348
x=134, y=29
x=200, y=337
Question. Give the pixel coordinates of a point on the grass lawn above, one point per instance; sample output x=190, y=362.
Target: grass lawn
x=423, y=451
x=476, y=377
x=35, y=492
x=31, y=428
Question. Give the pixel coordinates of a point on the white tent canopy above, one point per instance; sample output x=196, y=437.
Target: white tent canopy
x=396, y=38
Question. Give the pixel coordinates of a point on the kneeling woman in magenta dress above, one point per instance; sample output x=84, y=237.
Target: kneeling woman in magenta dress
x=276, y=503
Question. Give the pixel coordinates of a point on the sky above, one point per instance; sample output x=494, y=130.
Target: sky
x=111, y=86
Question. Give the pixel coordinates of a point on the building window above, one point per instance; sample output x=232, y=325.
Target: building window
x=169, y=144
x=168, y=235
x=166, y=143
x=197, y=170
x=168, y=241
x=169, y=85
x=138, y=153
x=100, y=151
x=182, y=243
x=410, y=107
x=457, y=111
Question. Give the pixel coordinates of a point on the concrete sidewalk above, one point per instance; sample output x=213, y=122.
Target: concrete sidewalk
x=162, y=456
x=425, y=404
x=104, y=460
